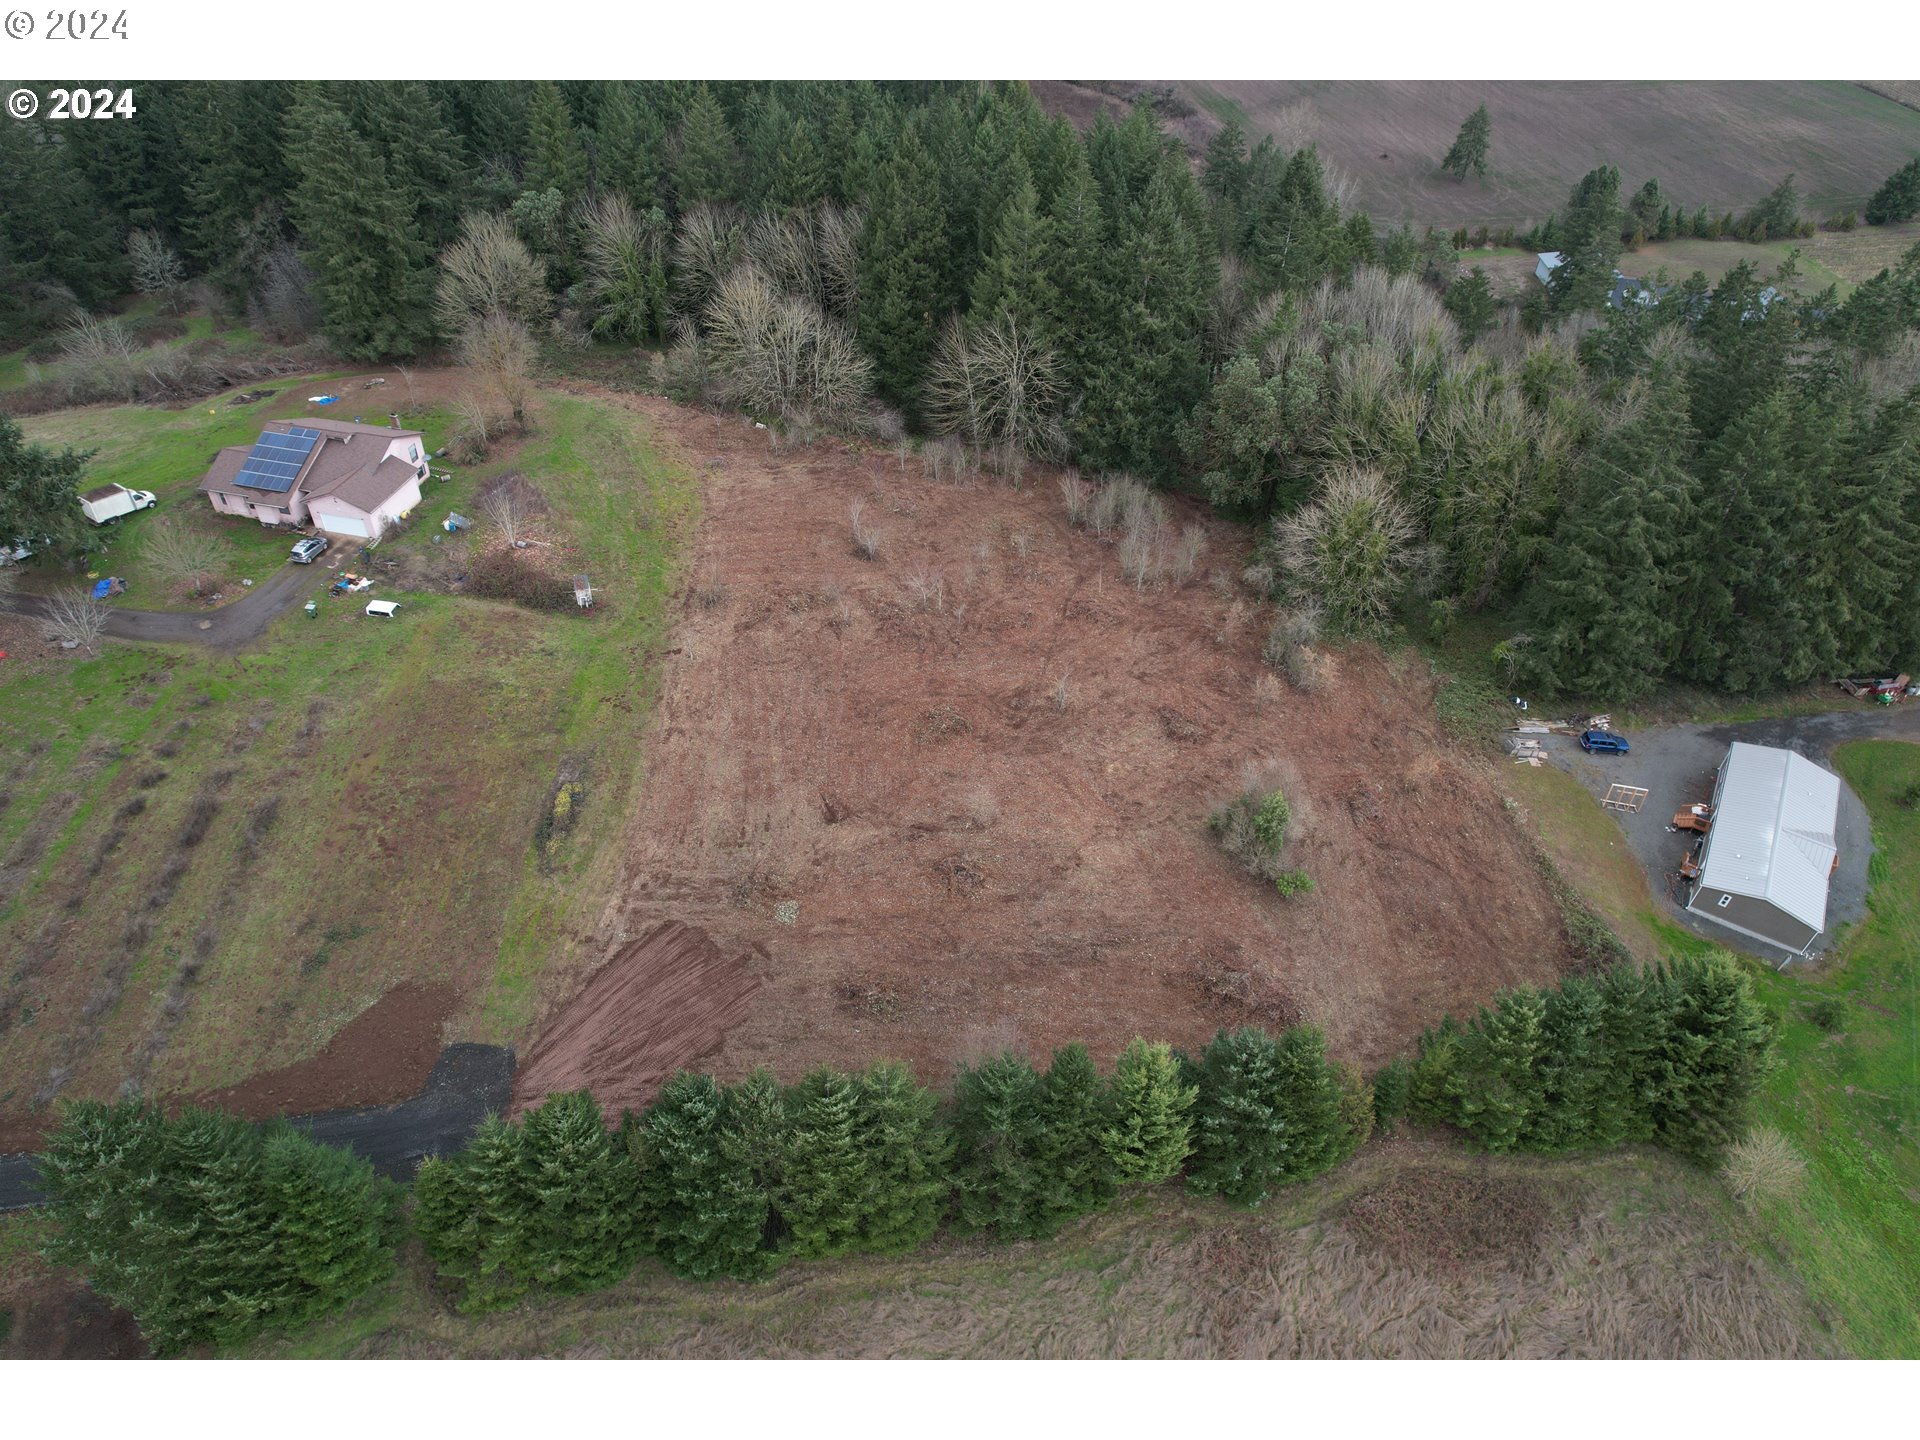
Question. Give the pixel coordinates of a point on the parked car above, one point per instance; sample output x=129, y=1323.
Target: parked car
x=1604, y=742
x=110, y=502
x=306, y=551
x=383, y=608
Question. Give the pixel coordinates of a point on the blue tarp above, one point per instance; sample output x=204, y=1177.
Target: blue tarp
x=103, y=588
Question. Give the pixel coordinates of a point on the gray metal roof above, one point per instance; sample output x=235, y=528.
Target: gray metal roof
x=1772, y=836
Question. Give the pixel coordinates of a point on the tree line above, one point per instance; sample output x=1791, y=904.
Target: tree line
x=1722, y=487
x=210, y=1229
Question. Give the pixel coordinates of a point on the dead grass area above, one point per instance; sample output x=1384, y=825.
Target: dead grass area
x=1627, y=1256
x=1722, y=144
x=878, y=798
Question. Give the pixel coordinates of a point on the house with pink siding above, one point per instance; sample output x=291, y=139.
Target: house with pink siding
x=344, y=479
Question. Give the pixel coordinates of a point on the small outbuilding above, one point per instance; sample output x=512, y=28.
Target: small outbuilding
x=1766, y=862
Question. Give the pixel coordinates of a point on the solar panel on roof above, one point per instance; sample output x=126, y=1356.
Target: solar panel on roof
x=275, y=460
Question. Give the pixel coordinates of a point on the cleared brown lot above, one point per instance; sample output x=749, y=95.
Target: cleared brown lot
x=877, y=799
x=1722, y=144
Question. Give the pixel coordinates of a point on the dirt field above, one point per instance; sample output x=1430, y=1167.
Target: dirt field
x=879, y=799
x=1719, y=144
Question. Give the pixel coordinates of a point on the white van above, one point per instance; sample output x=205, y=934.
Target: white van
x=385, y=608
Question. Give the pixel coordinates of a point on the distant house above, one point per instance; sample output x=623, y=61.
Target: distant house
x=343, y=478
x=1550, y=261
x=1629, y=291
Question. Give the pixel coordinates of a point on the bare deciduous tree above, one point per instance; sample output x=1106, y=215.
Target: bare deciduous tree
x=501, y=354
x=156, y=269
x=779, y=355
x=74, y=617
x=185, y=555
x=504, y=511
x=488, y=272
x=105, y=350
x=706, y=249
x=1350, y=549
x=994, y=387
x=625, y=255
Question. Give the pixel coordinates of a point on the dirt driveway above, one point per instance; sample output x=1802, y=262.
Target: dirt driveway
x=1676, y=764
x=226, y=628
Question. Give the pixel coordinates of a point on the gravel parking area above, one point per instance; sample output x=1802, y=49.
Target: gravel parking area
x=1676, y=764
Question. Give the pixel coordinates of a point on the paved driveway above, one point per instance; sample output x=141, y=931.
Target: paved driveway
x=1676, y=764
x=226, y=628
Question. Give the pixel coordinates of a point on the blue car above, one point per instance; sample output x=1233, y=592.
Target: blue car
x=1604, y=742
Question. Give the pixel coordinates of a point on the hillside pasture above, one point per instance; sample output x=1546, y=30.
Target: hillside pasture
x=1721, y=144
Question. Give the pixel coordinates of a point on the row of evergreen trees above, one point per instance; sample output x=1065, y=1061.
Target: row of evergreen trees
x=1671, y=1056
x=209, y=1229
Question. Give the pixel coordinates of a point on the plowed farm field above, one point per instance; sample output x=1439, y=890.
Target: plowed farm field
x=952, y=800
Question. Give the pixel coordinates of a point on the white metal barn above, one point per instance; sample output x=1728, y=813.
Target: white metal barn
x=1771, y=850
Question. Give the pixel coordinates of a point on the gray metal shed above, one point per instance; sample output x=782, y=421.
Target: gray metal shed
x=1767, y=860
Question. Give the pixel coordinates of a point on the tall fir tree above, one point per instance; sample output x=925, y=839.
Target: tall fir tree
x=629, y=145
x=999, y=1130
x=1268, y=1114
x=581, y=1186
x=472, y=1215
x=1468, y=153
x=1076, y=1178
x=826, y=1182
x=900, y=251
x=1718, y=1049
x=359, y=236
x=556, y=157
x=1572, y=1069
x=1498, y=1070
x=707, y=157
x=908, y=1153
x=1149, y=1130
x=1589, y=243
x=702, y=1210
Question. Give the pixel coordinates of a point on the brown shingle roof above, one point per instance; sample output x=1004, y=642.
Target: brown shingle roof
x=371, y=486
x=225, y=466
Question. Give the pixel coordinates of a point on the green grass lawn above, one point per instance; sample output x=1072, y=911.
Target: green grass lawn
x=167, y=451
x=412, y=761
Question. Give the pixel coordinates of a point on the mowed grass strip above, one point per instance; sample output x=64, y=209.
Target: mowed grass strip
x=412, y=760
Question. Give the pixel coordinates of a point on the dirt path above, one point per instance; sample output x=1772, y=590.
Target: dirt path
x=225, y=628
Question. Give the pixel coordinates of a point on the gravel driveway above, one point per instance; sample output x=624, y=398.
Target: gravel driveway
x=1676, y=764
x=225, y=628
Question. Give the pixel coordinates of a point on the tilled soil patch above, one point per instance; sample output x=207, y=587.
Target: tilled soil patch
x=661, y=1004
x=382, y=1055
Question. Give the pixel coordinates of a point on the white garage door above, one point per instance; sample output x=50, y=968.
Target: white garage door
x=342, y=524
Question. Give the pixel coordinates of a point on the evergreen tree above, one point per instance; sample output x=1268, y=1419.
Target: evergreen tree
x=1269, y=1114
x=1469, y=150
x=1224, y=178
x=700, y=1209
x=580, y=1187
x=57, y=233
x=1075, y=1175
x=473, y=1216
x=425, y=161
x=1012, y=281
x=1391, y=1088
x=629, y=141
x=1634, y=1014
x=1718, y=1049
x=1572, y=1069
x=1590, y=243
x=826, y=1181
x=1606, y=611
x=1898, y=199
x=37, y=486
x=1500, y=1090
x=1874, y=510
x=556, y=159
x=234, y=135
x=800, y=174
x=368, y=258
x=907, y=1153
x=1470, y=301
x=999, y=1131
x=1297, y=239
x=1073, y=244
x=208, y=1229
x=1149, y=1132
x=1776, y=216
x=707, y=160
x=900, y=263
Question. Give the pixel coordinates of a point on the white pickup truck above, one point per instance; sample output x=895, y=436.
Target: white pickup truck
x=110, y=502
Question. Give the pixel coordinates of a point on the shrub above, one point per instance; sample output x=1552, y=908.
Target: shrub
x=1829, y=1012
x=1293, y=882
x=1252, y=829
x=1390, y=1087
x=506, y=574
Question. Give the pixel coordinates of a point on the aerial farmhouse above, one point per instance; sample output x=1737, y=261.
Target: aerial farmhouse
x=343, y=478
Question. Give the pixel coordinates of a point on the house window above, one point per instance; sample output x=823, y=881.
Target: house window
x=1724, y=901
x=413, y=453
